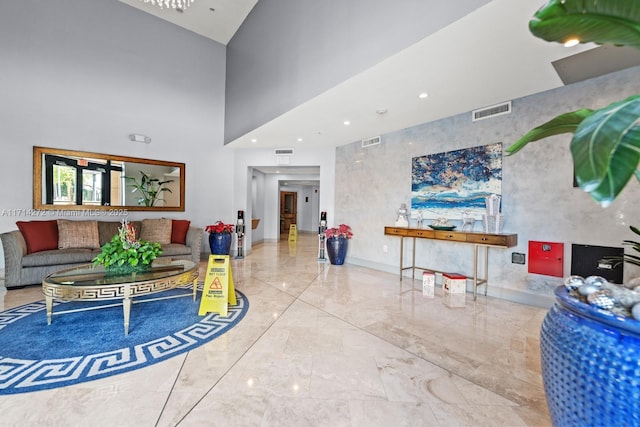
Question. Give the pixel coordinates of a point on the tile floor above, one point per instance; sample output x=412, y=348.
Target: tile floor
x=322, y=345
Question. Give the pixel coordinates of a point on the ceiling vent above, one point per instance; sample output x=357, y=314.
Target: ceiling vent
x=371, y=141
x=283, y=155
x=492, y=111
x=283, y=151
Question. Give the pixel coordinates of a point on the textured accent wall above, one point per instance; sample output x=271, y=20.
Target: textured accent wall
x=539, y=201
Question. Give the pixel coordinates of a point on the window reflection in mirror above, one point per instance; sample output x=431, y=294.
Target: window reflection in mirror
x=66, y=179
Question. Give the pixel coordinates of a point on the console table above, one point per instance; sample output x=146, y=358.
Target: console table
x=478, y=240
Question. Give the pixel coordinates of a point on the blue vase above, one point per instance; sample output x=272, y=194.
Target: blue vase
x=590, y=364
x=220, y=243
x=337, y=249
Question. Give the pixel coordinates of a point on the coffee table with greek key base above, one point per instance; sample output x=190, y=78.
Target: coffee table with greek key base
x=93, y=283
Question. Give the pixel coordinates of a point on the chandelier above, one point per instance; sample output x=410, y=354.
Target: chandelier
x=179, y=5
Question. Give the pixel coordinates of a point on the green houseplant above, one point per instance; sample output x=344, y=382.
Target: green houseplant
x=149, y=189
x=124, y=252
x=588, y=357
x=606, y=142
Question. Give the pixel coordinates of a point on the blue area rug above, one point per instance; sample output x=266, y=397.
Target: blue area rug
x=85, y=346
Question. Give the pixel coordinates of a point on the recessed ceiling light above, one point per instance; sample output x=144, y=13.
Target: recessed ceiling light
x=299, y=139
x=381, y=111
x=347, y=122
x=571, y=42
x=423, y=95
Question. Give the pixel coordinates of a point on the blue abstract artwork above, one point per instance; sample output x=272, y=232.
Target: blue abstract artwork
x=444, y=185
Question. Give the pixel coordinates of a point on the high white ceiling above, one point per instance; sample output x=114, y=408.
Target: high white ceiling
x=485, y=58
x=215, y=19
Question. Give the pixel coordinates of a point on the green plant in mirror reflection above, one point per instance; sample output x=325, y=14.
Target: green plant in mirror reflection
x=150, y=189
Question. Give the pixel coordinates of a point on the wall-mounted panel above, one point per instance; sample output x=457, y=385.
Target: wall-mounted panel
x=588, y=260
x=546, y=258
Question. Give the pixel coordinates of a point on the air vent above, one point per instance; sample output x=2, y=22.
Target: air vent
x=283, y=151
x=492, y=111
x=370, y=141
x=283, y=155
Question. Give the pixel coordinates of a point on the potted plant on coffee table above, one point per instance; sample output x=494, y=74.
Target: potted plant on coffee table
x=124, y=253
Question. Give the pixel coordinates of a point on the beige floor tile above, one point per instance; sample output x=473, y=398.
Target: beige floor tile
x=322, y=345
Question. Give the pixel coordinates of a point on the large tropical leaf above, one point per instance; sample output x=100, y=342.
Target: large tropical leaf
x=599, y=21
x=606, y=149
x=564, y=123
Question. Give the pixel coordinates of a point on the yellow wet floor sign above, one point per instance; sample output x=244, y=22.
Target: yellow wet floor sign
x=218, y=291
x=293, y=233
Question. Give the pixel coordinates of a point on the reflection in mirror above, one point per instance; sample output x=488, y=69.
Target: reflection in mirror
x=67, y=179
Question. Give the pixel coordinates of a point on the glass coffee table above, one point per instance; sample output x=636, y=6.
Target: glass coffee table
x=89, y=283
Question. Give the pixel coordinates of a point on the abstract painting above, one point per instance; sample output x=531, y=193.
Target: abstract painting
x=444, y=185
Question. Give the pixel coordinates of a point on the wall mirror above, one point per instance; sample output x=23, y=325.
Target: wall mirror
x=79, y=180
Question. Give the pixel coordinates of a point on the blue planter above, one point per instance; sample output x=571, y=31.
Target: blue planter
x=220, y=243
x=590, y=365
x=337, y=249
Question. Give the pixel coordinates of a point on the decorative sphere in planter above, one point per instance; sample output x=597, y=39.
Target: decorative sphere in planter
x=590, y=364
x=337, y=243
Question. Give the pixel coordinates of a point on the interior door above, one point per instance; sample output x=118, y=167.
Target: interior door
x=288, y=210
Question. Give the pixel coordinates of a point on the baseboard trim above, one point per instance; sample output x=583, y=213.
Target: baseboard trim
x=513, y=295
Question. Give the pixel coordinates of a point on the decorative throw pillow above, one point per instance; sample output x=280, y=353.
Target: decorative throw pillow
x=78, y=234
x=156, y=230
x=39, y=235
x=179, y=228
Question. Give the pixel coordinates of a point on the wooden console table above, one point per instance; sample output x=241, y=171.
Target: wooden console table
x=478, y=240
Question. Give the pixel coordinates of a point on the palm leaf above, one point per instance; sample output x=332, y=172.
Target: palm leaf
x=564, y=123
x=598, y=21
x=606, y=149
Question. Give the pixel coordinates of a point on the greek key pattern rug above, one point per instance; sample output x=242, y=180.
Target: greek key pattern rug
x=88, y=345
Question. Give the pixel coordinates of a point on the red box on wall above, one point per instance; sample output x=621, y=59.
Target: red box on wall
x=546, y=258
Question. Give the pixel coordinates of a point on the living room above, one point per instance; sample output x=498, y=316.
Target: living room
x=85, y=74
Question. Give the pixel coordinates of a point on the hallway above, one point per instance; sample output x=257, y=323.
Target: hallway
x=322, y=345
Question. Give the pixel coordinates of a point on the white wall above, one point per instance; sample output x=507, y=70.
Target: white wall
x=245, y=159
x=84, y=74
x=306, y=204
x=257, y=204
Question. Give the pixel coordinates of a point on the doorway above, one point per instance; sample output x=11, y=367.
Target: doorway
x=288, y=210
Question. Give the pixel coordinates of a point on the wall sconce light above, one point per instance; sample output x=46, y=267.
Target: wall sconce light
x=139, y=138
